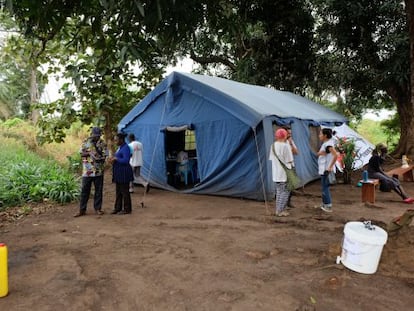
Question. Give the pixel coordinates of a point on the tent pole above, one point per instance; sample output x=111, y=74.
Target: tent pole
x=261, y=171
x=153, y=153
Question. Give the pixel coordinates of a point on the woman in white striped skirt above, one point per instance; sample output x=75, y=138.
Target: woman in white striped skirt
x=280, y=151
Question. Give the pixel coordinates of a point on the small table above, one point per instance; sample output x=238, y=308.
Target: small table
x=405, y=172
x=368, y=190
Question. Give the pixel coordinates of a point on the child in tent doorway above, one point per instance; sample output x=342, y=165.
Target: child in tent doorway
x=387, y=183
x=327, y=156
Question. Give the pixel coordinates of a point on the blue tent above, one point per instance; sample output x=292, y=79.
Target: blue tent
x=231, y=125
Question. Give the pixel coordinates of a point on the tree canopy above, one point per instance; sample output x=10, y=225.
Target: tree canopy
x=364, y=58
x=357, y=50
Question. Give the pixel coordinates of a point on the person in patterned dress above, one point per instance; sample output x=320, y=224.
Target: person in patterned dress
x=94, y=153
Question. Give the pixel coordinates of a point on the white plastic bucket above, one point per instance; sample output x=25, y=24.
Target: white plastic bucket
x=362, y=246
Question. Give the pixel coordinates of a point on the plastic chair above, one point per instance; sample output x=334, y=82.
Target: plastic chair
x=185, y=169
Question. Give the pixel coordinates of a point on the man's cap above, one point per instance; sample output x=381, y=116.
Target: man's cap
x=121, y=135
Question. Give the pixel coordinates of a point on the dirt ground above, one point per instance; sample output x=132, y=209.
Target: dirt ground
x=193, y=252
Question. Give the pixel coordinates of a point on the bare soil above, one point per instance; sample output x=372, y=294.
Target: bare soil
x=194, y=252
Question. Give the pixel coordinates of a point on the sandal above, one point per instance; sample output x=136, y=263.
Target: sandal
x=283, y=214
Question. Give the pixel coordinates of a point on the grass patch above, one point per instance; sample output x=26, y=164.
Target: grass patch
x=375, y=133
x=25, y=176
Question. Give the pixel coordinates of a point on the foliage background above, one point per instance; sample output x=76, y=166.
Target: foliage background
x=31, y=173
x=34, y=173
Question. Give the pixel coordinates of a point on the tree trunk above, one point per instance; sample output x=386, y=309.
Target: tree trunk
x=405, y=106
x=406, y=142
x=347, y=177
x=109, y=135
x=34, y=96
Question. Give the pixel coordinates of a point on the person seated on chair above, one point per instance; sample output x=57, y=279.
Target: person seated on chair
x=182, y=157
x=183, y=165
x=387, y=183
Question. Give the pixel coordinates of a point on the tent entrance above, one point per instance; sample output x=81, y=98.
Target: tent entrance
x=181, y=157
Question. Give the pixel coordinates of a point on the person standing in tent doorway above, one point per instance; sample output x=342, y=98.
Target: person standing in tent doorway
x=182, y=157
x=387, y=183
x=93, y=152
x=327, y=156
x=182, y=162
x=295, y=151
x=289, y=140
x=122, y=175
x=136, y=163
x=280, y=151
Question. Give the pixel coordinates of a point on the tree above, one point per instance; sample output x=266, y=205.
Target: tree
x=358, y=50
x=104, y=41
x=260, y=42
x=104, y=86
x=364, y=59
x=19, y=79
x=112, y=36
x=408, y=143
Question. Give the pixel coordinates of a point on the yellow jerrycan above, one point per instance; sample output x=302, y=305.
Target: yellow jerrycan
x=4, y=288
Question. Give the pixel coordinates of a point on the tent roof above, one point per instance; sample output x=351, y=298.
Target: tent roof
x=265, y=101
x=249, y=103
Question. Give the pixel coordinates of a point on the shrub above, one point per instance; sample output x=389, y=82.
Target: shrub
x=12, y=122
x=347, y=156
x=74, y=163
x=26, y=177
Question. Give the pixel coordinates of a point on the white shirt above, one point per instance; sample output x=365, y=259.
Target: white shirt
x=325, y=160
x=284, y=153
x=136, y=158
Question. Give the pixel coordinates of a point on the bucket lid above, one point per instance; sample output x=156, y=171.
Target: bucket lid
x=358, y=231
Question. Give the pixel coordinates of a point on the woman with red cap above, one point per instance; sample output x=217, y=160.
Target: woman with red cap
x=280, y=151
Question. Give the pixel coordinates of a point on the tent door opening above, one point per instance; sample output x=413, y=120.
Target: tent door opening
x=181, y=157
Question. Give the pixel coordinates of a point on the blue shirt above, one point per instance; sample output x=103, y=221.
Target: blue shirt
x=121, y=170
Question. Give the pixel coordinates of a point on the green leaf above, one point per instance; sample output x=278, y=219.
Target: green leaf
x=140, y=7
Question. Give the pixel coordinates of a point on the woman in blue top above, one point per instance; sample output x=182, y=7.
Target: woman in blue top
x=122, y=175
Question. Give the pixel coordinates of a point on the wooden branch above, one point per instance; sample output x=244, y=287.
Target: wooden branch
x=212, y=59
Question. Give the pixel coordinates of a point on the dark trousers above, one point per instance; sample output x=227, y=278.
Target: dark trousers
x=87, y=182
x=122, y=197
